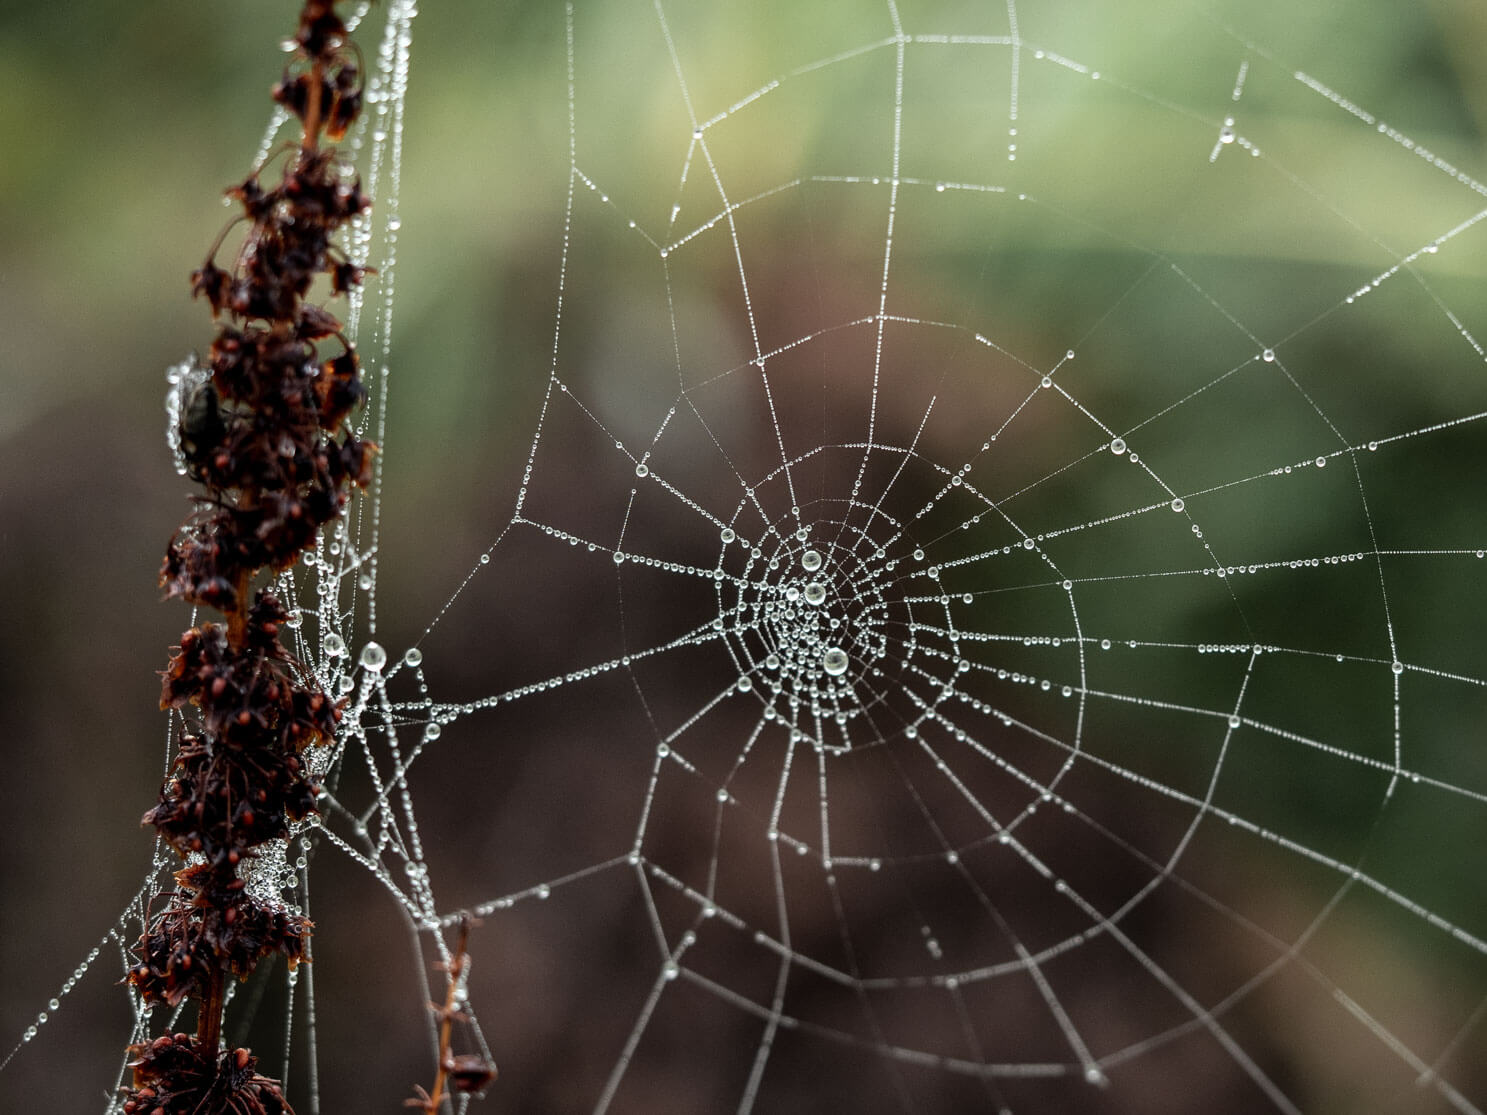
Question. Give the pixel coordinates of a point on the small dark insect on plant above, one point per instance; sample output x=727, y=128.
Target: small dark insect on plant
x=201, y=429
x=261, y=426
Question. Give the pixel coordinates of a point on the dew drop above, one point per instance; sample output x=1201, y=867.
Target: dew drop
x=1234, y=721
x=642, y=470
x=835, y=661
x=485, y=559
x=619, y=558
x=772, y=662
x=1178, y=505
x=1398, y=667
x=334, y=645
x=810, y=561
x=745, y=683
x=414, y=657
x=918, y=555
x=1118, y=446
x=1268, y=356
x=815, y=592
x=373, y=657
x=727, y=535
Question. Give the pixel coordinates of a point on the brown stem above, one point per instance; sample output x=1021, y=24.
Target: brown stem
x=446, y=1015
x=209, y=1014
x=312, y=108
x=237, y=619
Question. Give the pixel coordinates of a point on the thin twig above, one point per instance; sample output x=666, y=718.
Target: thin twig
x=467, y=1073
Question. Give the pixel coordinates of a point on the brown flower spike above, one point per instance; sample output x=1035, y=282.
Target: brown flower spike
x=262, y=429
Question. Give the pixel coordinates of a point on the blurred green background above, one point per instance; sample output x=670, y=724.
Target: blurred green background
x=121, y=123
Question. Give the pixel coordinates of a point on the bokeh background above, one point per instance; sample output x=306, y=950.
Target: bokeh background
x=120, y=125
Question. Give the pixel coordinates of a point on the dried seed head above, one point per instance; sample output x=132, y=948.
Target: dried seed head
x=260, y=427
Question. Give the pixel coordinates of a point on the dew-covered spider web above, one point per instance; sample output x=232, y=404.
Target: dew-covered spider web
x=978, y=607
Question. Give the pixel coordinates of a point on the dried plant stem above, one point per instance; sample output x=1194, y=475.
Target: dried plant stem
x=446, y=1015
x=263, y=429
x=464, y=1072
x=209, y=1013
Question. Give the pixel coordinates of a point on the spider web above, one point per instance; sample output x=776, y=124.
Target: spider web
x=988, y=612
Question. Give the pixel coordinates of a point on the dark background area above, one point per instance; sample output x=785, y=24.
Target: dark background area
x=121, y=124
